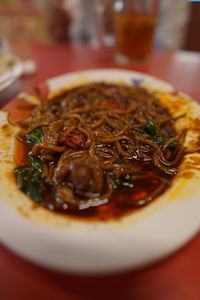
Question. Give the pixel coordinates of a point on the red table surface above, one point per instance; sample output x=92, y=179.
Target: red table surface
x=175, y=278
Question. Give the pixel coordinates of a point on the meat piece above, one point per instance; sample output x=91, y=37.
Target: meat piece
x=82, y=173
x=51, y=133
x=51, y=138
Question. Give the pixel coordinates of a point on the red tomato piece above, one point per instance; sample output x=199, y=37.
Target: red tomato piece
x=41, y=91
x=76, y=141
x=112, y=103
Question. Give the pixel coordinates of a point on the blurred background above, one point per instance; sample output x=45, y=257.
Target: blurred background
x=91, y=22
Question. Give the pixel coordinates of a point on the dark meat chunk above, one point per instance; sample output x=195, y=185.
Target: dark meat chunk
x=81, y=173
x=51, y=138
x=51, y=133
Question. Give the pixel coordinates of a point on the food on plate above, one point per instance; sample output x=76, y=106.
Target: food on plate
x=99, y=151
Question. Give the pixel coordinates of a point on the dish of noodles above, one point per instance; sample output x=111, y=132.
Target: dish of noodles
x=99, y=150
x=101, y=164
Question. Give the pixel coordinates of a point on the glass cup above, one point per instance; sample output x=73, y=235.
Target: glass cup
x=134, y=25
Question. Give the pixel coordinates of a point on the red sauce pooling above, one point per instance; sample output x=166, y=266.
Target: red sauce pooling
x=120, y=204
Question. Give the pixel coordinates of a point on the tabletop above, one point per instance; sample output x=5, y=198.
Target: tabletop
x=176, y=277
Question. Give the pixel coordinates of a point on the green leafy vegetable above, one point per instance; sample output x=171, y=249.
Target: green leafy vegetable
x=115, y=181
x=29, y=179
x=35, y=163
x=173, y=145
x=127, y=180
x=119, y=161
x=150, y=128
x=21, y=173
x=122, y=181
x=157, y=139
x=35, y=136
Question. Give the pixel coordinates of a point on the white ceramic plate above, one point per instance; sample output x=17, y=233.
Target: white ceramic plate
x=80, y=247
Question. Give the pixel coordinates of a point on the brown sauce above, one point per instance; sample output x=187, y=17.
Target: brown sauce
x=120, y=204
